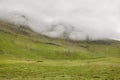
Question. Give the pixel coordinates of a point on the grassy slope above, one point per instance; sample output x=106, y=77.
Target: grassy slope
x=25, y=55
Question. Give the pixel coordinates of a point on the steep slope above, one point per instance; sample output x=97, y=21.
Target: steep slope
x=22, y=43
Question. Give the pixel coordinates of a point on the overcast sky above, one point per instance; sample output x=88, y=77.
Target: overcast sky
x=73, y=19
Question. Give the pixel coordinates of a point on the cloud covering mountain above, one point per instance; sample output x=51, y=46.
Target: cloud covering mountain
x=73, y=19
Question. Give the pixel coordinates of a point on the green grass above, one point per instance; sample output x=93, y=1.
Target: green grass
x=59, y=70
x=25, y=55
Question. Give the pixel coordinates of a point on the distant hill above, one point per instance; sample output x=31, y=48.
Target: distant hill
x=19, y=42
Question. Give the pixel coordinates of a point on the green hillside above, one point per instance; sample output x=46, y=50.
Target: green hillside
x=26, y=55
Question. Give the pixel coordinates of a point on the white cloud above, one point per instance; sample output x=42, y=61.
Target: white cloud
x=98, y=19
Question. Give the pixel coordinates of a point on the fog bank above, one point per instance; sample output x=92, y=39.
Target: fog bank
x=71, y=19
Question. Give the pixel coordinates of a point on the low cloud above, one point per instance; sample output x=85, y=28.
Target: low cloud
x=71, y=19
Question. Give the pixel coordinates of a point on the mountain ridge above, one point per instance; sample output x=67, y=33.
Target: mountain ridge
x=67, y=49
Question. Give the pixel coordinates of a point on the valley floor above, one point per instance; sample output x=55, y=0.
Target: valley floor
x=94, y=69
